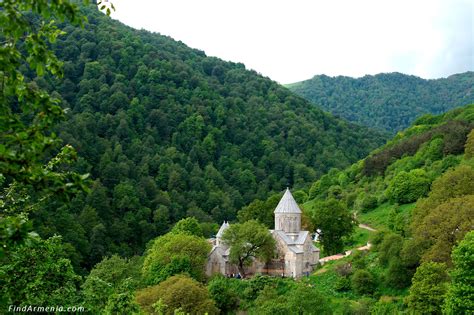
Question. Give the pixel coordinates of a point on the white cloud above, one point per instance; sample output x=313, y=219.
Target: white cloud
x=293, y=40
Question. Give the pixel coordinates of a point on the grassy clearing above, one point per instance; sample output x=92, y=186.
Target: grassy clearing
x=326, y=279
x=379, y=217
x=359, y=238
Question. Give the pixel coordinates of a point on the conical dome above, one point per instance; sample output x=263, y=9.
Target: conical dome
x=223, y=227
x=287, y=204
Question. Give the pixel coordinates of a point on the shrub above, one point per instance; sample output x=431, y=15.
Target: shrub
x=389, y=247
x=342, y=284
x=343, y=270
x=177, y=292
x=362, y=282
x=368, y=203
x=222, y=292
x=397, y=274
x=408, y=187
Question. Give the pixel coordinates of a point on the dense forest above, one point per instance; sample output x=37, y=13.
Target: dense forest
x=131, y=237
x=387, y=101
x=166, y=133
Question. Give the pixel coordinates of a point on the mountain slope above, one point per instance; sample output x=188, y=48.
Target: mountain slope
x=167, y=132
x=388, y=101
x=417, y=191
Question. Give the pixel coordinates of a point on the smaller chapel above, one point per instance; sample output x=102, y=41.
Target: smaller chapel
x=296, y=253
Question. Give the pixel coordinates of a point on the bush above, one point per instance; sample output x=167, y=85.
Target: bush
x=222, y=292
x=397, y=275
x=342, y=284
x=177, y=292
x=343, y=270
x=408, y=187
x=362, y=282
x=358, y=258
x=389, y=247
x=386, y=305
x=301, y=299
x=368, y=202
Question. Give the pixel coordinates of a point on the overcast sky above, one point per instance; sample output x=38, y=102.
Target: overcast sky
x=292, y=40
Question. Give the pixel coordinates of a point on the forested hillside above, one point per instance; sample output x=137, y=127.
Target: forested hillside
x=388, y=101
x=417, y=191
x=166, y=132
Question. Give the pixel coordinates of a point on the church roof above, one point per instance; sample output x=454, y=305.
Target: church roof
x=296, y=250
x=299, y=238
x=287, y=204
x=223, y=227
x=294, y=242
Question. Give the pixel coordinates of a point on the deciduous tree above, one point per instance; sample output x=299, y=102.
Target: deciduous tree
x=172, y=254
x=334, y=221
x=178, y=292
x=248, y=241
x=430, y=283
x=38, y=273
x=460, y=296
x=187, y=226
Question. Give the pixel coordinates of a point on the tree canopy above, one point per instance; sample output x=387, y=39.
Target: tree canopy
x=175, y=253
x=178, y=293
x=39, y=273
x=248, y=241
x=334, y=221
x=187, y=226
x=430, y=283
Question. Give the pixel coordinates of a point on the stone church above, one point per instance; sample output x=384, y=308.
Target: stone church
x=296, y=254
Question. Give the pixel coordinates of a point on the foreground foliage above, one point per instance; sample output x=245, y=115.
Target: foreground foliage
x=180, y=293
x=39, y=273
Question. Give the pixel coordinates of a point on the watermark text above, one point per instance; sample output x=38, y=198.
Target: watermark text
x=45, y=309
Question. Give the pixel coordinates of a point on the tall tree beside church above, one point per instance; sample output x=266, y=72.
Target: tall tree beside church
x=248, y=241
x=334, y=221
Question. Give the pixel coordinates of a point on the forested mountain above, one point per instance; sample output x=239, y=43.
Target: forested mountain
x=166, y=132
x=387, y=101
x=150, y=167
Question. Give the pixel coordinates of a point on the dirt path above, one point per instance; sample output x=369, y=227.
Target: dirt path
x=340, y=256
x=347, y=253
x=365, y=226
